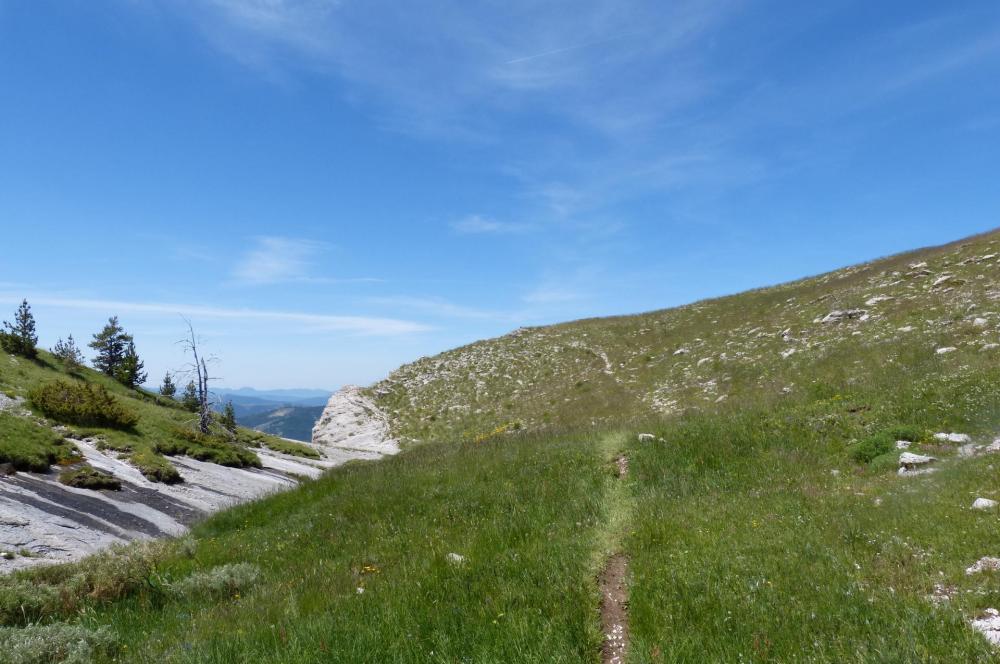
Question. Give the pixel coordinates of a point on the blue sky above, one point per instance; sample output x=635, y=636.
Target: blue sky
x=329, y=188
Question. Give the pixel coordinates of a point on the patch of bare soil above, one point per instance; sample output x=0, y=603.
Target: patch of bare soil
x=614, y=609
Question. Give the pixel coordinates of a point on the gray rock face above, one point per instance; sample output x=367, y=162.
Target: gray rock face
x=353, y=427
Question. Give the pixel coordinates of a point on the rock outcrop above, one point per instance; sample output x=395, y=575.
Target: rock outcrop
x=353, y=427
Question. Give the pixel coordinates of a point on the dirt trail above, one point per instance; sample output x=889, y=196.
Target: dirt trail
x=614, y=609
x=614, y=594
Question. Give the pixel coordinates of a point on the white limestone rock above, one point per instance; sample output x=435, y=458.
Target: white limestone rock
x=988, y=625
x=956, y=438
x=984, y=564
x=984, y=504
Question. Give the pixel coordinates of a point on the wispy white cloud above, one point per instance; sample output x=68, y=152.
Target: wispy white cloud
x=277, y=259
x=309, y=321
x=479, y=225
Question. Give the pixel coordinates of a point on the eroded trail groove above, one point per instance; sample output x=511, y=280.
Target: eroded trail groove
x=612, y=581
x=614, y=609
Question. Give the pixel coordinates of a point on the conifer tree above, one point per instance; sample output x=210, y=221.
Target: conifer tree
x=228, y=418
x=168, y=388
x=129, y=371
x=19, y=338
x=190, y=397
x=70, y=355
x=111, y=343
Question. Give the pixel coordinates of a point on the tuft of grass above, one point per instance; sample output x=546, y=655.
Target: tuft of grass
x=207, y=447
x=154, y=467
x=292, y=448
x=88, y=477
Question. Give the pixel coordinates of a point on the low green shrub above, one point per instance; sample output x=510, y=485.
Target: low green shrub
x=207, y=447
x=294, y=449
x=88, y=477
x=873, y=446
x=54, y=644
x=906, y=432
x=154, y=467
x=82, y=403
x=221, y=581
x=23, y=601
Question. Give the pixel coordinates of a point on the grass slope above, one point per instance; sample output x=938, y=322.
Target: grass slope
x=753, y=533
x=740, y=348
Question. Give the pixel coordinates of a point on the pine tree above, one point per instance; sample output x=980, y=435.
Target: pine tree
x=20, y=338
x=228, y=418
x=168, y=389
x=70, y=355
x=129, y=371
x=111, y=343
x=190, y=397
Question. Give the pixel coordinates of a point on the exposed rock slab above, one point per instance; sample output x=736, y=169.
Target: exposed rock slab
x=56, y=523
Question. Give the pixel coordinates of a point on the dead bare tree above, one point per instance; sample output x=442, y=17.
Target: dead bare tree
x=198, y=371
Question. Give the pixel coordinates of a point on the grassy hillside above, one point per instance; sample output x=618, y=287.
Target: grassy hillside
x=741, y=349
x=771, y=525
x=31, y=441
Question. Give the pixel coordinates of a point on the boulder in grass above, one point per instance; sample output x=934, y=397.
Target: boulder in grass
x=984, y=504
x=646, y=437
x=956, y=438
x=988, y=625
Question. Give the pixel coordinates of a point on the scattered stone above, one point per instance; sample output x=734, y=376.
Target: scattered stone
x=984, y=564
x=980, y=322
x=945, y=350
x=911, y=460
x=456, y=559
x=942, y=280
x=907, y=328
x=989, y=625
x=785, y=354
x=903, y=444
x=913, y=464
x=835, y=472
x=966, y=451
x=957, y=438
x=878, y=298
x=681, y=351
x=942, y=593
x=646, y=437
x=7, y=555
x=841, y=315
x=984, y=504
x=704, y=360
x=991, y=346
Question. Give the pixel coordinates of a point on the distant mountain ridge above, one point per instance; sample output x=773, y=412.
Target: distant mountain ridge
x=289, y=413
